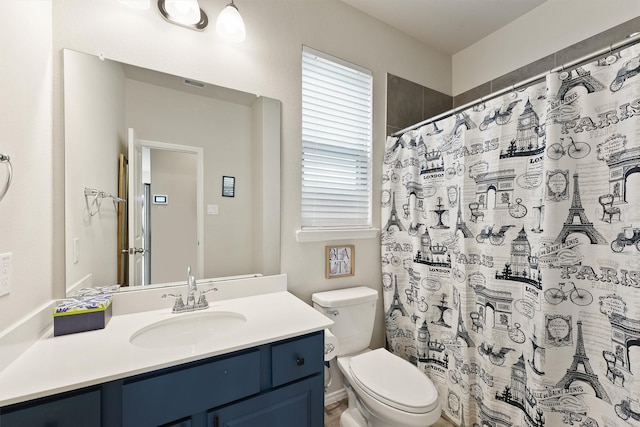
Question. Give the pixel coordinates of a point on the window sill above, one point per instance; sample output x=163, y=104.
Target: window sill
x=303, y=236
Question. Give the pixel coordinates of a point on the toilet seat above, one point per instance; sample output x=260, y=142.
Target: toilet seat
x=394, y=381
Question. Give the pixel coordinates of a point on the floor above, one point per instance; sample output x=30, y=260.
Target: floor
x=332, y=415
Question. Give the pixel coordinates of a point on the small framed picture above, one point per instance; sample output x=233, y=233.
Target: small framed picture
x=340, y=261
x=228, y=186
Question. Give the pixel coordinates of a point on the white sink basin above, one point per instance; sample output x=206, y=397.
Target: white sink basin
x=187, y=329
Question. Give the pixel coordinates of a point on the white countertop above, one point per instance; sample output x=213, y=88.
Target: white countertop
x=58, y=364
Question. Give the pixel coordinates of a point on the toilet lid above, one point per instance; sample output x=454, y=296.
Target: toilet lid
x=394, y=381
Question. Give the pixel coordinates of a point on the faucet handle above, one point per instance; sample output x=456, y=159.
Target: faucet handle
x=202, y=301
x=178, y=305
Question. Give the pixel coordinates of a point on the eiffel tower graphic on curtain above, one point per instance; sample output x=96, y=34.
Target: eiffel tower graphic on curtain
x=584, y=226
x=396, y=304
x=460, y=225
x=393, y=218
x=462, y=331
x=586, y=374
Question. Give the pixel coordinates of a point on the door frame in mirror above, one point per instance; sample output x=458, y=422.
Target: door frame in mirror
x=199, y=153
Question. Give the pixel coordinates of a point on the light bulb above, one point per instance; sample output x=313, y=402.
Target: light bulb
x=184, y=11
x=230, y=25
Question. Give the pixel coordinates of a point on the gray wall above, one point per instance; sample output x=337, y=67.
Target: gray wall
x=542, y=65
x=409, y=103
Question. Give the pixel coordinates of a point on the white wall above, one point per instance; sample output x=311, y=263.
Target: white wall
x=267, y=133
x=552, y=26
x=26, y=213
x=94, y=138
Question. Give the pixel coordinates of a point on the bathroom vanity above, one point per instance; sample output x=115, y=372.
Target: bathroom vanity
x=277, y=384
x=267, y=370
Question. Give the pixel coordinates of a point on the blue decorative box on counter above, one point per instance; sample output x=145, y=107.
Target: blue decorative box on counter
x=82, y=314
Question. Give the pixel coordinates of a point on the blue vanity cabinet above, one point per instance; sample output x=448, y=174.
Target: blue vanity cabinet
x=171, y=394
x=77, y=408
x=295, y=397
x=277, y=384
x=298, y=404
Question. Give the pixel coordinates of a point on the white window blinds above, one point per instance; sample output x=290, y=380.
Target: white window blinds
x=336, y=142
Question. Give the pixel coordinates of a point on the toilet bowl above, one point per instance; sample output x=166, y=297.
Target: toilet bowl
x=390, y=391
x=383, y=389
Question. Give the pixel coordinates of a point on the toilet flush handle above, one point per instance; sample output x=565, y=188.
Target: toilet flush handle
x=333, y=312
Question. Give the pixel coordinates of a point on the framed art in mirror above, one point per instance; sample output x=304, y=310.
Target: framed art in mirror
x=228, y=186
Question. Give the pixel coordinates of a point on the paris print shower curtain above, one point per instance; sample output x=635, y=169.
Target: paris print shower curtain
x=511, y=251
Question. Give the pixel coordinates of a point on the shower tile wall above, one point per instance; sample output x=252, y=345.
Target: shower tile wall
x=409, y=103
x=571, y=53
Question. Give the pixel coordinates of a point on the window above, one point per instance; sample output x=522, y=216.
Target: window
x=336, y=143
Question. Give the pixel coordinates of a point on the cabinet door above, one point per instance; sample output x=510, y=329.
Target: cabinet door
x=156, y=399
x=67, y=410
x=297, y=405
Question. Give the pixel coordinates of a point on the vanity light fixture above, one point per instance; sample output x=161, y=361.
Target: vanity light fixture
x=137, y=4
x=230, y=25
x=186, y=13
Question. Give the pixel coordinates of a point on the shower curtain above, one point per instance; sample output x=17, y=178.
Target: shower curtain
x=511, y=251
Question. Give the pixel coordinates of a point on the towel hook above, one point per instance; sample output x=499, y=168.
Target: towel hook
x=4, y=158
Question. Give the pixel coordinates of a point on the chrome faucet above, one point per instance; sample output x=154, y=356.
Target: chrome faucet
x=192, y=303
x=192, y=288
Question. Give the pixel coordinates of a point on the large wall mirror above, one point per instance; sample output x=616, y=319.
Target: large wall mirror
x=145, y=157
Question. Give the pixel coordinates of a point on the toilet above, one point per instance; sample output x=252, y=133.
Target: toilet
x=383, y=389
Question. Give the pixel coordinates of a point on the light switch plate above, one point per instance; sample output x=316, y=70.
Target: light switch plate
x=76, y=250
x=212, y=209
x=5, y=273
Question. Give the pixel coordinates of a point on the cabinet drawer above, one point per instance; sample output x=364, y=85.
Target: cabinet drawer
x=297, y=358
x=67, y=410
x=175, y=394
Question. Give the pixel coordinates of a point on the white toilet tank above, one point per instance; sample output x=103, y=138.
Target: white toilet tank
x=353, y=312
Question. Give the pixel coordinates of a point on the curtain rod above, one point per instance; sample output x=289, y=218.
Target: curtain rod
x=629, y=40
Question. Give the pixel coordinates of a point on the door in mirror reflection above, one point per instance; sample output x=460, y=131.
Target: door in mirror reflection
x=163, y=214
x=135, y=209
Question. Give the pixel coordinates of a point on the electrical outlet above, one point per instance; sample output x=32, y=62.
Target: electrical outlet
x=5, y=273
